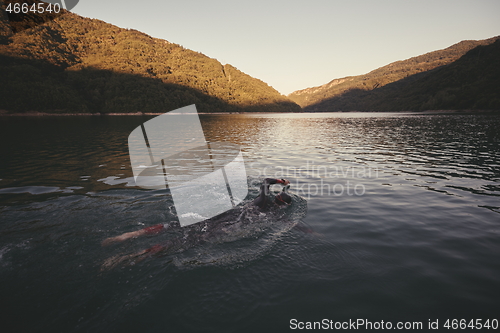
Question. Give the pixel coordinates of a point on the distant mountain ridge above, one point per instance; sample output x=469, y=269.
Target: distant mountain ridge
x=72, y=64
x=400, y=85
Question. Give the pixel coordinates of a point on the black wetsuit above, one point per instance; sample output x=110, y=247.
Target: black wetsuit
x=262, y=201
x=231, y=222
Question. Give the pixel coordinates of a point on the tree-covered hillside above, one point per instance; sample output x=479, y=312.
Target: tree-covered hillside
x=463, y=76
x=72, y=64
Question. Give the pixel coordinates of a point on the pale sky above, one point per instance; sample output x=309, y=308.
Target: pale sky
x=293, y=45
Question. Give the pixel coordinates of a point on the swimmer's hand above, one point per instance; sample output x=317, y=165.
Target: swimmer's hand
x=123, y=237
x=284, y=181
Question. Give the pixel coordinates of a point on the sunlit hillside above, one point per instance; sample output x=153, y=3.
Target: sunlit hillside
x=463, y=76
x=74, y=64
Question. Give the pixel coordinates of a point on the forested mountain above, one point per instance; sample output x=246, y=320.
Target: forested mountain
x=463, y=76
x=70, y=64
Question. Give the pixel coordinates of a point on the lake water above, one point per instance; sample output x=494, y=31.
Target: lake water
x=402, y=225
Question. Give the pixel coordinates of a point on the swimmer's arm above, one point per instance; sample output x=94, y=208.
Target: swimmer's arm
x=271, y=181
x=131, y=258
x=134, y=234
x=260, y=201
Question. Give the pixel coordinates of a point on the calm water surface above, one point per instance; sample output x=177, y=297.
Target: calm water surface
x=402, y=224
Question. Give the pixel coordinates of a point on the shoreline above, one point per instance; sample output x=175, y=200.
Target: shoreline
x=4, y=113
x=44, y=114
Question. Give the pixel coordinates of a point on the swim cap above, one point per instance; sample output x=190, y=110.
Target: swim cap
x=283, y=199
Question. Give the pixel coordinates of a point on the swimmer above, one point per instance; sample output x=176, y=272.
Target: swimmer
x=262, y=202
x=211, y=230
